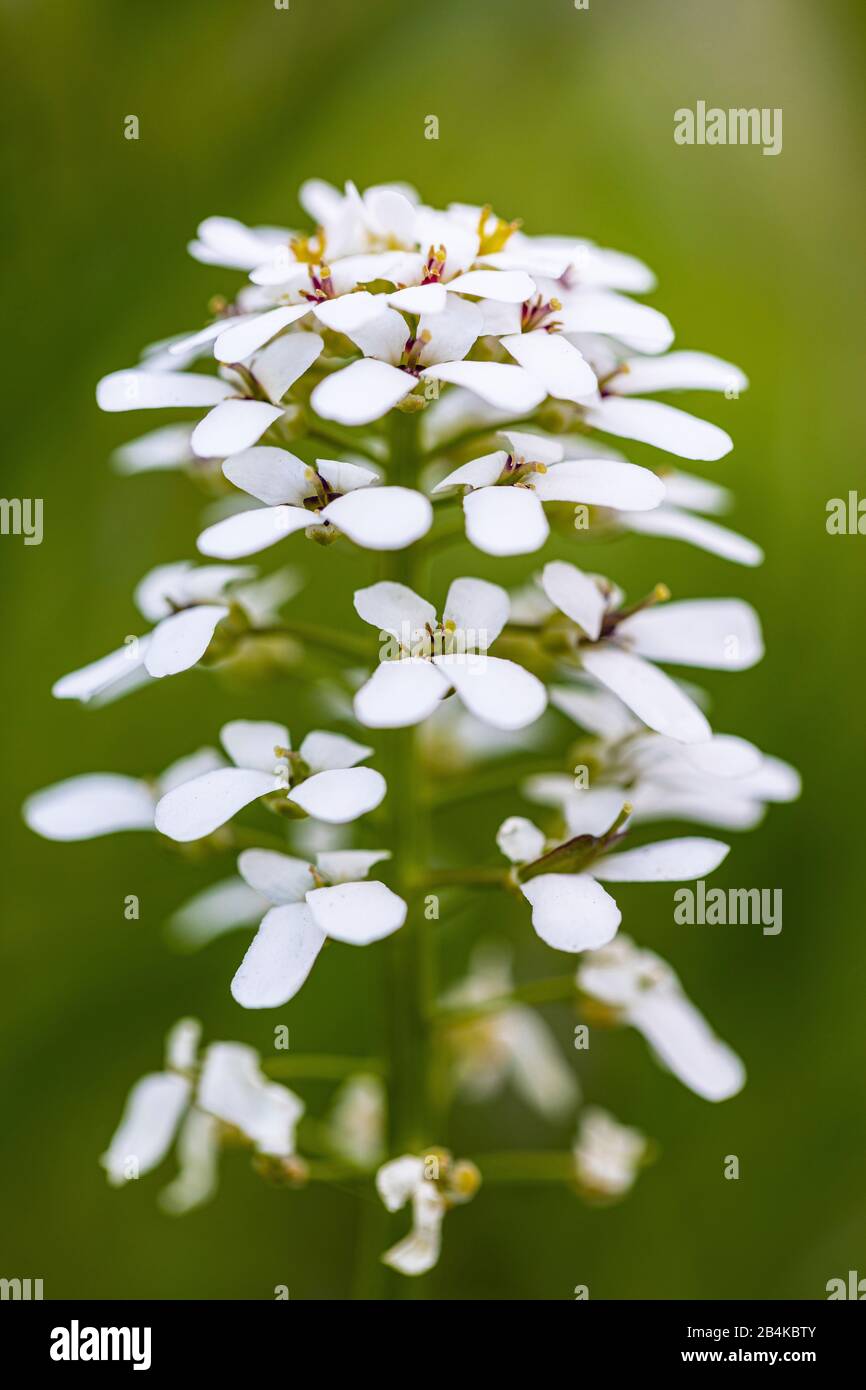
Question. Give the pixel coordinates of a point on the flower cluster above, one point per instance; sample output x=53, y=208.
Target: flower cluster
x=392, y=380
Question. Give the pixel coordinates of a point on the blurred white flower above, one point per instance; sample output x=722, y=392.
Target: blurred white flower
x=511, y=1044
x=321, y=779
x=356, y=1124
x=435, y=657
x=191, y=1102
x=607, y=1155
x=642, y=991
x=433, y=1184
x=570, y=909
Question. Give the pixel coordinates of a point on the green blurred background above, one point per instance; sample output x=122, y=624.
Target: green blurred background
x=564, y=118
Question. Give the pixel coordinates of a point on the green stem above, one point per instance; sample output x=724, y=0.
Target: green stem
x=344, y=644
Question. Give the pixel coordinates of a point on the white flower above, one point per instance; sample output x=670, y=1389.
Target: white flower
x=725, y=781
x=356, y=1125
x=299, y=497
x=310, y=905
x=190, y=1103
x=224, y=241
x=163, y=448
x=512, y=1044
x=505, y=491
x=186, y=604
x=396, y=359
x=618, y=646
x=433, y=658
x=433, y=1185
x=645, y=993
x=607, y=1155
x=101, y=803
x=321, y=779
x=570, y=909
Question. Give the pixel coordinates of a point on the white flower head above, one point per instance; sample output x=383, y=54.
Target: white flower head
x=433, y=1184
x=643, y=992
x=570, y=909
x=505, y=490
x=431, y=658
x=331, y=497
x=320, y=780
x=618, y=647
x=332, y=899
x=356, y=1125
x=607, y=1155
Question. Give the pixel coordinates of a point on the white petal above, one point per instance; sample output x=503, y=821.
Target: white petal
x=663, y=426
x=399, y=693
x=167, y=447
x=451, y=333
x=246, y=533
x=140, y=390
x=678, y=371
x=357, y=913
x=480, y=472
x=554, y=362
x=186, y=768
x=282, y=362
x=225, y=241
x=420, y=299
x=538, y=1069
x=571, y=912
x=147, y=1129
x=653, y=696
x=233, y=1088
x=507, y=286
x=216, y=910
x=416, y=1253
x=496, y=691
x=498, y=383
x=201, y=806
x=238, y=343
x=534, y=448
x=278, y=959
x=575, y=594
x=397, y=1180
x=277, y=877
x=345, y=477
x=232, y=426
x=106, y=678
x=180, y=641
x=520, y=840
x=381, y=518
x=97, y=803
x=182, y=1044
x=716, y=633
x=361, y=392
x=394, y=608
x=695, y=494
x=349, y=865
x=601, y=483
x=198, y=1148
x=350, y=311
x=684, y=1041
x=637, y=325
x=593, y=709
x=478, y=610
x=340, y=795
x=505, y=520
x=695, y=530
x=272, y=475
x=324, y=752
x=253, y=742
x=668, y=861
